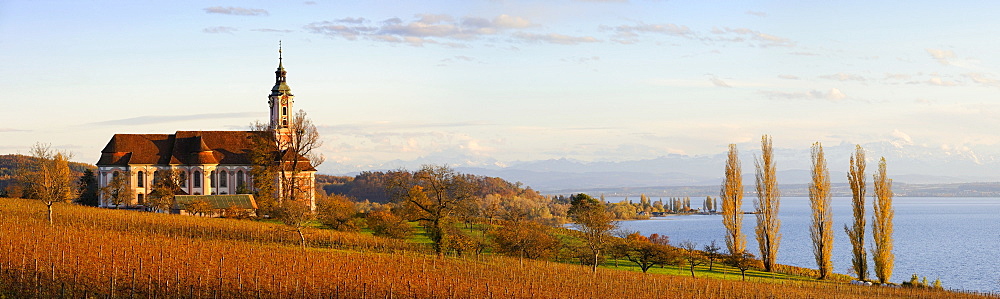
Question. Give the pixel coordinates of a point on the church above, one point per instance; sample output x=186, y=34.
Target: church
x=208, y=162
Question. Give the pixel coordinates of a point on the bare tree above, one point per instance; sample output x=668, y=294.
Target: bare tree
x=856, y=177
x=767, y=203
x=300, y=152
x=732, y=203
x=280, y=162
x=692, y=255
x=821, y=231
x=882, y=225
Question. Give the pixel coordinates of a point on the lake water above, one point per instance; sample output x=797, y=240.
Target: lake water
x=954, y=239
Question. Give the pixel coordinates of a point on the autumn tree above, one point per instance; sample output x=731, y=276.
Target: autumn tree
x=338, y=212
x=296, y=215
x=526, y=239
x=386, y=224
x=856, y=233
x=766, y=205
x=742, y=261
x=593, y=220
x=166, y=184
x=732, y=203
x=712, y=253
x=645, y=253
x=199, y=207
x=882, y=225
x=692, y=256
x=263, y=168
x=118, y=191
x=433, y=194
x=47, y=177
x=821, y=231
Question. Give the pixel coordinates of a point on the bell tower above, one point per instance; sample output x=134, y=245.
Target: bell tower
x=280, y=100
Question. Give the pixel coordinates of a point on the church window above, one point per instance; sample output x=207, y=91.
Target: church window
x=223, y=179
x=215, y=179
x=284, y=110
x=239, y=180
x=140, y=179
x=197, y=179
x=184, y=179
x=141, y=199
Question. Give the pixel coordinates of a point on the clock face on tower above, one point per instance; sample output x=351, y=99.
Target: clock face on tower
x=284, y=100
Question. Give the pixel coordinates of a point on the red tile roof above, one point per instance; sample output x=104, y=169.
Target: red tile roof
x=182, y=148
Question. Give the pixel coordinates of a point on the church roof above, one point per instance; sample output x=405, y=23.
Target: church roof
x=180, y=148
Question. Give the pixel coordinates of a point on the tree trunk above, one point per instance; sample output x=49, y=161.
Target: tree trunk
x=302, y=238
x=597, y=255
x=48, y=204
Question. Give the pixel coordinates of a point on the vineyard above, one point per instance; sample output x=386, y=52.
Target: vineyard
x=101, y=253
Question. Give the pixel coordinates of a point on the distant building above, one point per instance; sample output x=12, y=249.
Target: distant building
x=211, y=162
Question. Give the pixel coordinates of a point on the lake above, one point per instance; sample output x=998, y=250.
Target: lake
x=956, y=240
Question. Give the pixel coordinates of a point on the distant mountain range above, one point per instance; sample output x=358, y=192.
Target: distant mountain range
x=907, y=164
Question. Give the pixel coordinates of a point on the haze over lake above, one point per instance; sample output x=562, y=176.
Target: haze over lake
x=954, y=239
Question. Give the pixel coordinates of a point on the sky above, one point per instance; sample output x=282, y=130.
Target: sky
x=498, y=82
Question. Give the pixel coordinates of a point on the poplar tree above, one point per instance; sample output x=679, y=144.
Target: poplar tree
x=856, y=178
x=821, y=231
x=882, y=225
x=732, y=203
x=766, y=205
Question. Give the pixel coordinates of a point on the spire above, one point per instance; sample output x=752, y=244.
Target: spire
x=280, y=87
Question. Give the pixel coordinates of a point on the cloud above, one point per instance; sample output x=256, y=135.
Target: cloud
x=938, y=82
x=756, y=13
x=789, y=77
x=899, y=138
x=843, y=77
x=582, y=59
x=629, y=34
x=6, y=130
x=753, y=37
x=426, y=29
x=982, y=79
x=236, y=11
x=219, y=29
x=718, y=82
x=554, y=38
x=309, y=3
x=159, y=119
x=942, y=56
x=272, y=30
x=832, y=95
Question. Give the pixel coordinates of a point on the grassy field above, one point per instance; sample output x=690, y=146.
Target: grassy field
x=101, y=253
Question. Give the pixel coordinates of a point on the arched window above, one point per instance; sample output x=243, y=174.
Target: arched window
x=197, y=179
x=240, y=181
x=140, y=180
x=284, y=110
x=215, y=179
x=184, y=179
x=223, y=179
